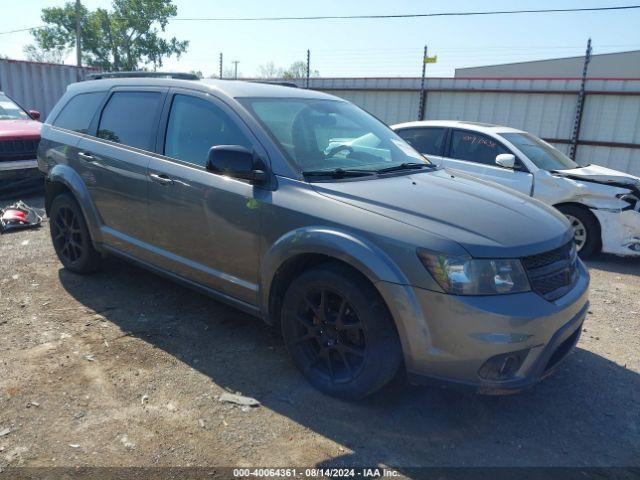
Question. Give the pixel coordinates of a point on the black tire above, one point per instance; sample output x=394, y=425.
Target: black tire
x=339, y=332
x=583, y=219
x=70, y=236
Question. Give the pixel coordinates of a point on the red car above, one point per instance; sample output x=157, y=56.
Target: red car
x=19, y=138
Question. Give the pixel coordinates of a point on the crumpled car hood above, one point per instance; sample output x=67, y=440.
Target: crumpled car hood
x=596, y=173
x=487, y=220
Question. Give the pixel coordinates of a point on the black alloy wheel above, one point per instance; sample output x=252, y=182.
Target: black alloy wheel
x=66, y=235
x=331, y=333
x=70, y=236
x=339, y=331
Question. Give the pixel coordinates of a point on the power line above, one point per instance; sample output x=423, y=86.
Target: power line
x=22, y=30
x=407, y=15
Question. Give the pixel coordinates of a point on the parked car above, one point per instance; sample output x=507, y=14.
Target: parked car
x=19, y=137
x=602, y=204
x=367, y=257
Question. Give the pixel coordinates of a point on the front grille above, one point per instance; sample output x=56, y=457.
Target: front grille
x=11, y=150
x=552, y=273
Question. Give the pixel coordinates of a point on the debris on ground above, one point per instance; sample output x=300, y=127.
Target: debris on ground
x=128, y=444
x=239, y=400
x=90, y=358
x=18, y=216
x=5, y=432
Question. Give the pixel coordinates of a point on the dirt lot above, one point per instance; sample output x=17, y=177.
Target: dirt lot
x=125, y=368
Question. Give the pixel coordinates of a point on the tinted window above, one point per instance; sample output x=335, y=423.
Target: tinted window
x=425, y=140
x=475, y=147
x=77, y=114
x=129, y=118
x=195, y=125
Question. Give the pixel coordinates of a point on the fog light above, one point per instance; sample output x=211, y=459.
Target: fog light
x=503, y=366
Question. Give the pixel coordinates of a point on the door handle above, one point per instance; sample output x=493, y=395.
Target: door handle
x=86, y=156
x=161, y=178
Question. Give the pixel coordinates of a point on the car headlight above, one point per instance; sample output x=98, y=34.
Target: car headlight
x=469, y=276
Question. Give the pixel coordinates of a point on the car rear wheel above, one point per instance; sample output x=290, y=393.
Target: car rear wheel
x=70, y=236
x=586, y=229
x=339, y=332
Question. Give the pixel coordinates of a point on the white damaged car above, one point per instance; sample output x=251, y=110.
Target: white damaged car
x=602, y=204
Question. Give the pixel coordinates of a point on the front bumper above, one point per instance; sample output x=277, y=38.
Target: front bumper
x=620, y=231
x=450, y=338
x=19, y=165
x=19, y=179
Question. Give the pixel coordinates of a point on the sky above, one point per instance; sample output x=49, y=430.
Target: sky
x=371, y=47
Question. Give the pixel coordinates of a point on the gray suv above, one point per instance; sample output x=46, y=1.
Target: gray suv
x=305, y=211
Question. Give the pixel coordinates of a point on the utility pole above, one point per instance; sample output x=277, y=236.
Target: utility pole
x=308, y=67
x=422, y=91
x=220, y=64
x=78, y=44
x=235, y=68
x=580, y=104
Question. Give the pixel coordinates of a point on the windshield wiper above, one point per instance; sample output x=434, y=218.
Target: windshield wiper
x=338, y=173
x=406, y=166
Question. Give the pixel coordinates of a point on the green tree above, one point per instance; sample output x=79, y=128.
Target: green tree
x=54, y=55
x=127, y=37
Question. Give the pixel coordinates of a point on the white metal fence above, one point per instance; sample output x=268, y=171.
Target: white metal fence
x=38, y=86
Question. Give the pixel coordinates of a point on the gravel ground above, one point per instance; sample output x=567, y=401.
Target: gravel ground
x=124, y=368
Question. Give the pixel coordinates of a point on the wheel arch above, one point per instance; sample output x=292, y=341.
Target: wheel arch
x=308, y=247
x=63, y=179
x=586, y=210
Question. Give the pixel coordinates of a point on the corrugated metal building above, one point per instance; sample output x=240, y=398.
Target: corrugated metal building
x=606, y=65
x=38, y=86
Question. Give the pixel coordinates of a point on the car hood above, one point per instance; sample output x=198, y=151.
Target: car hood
x=484, y=218
x=13, y=129
x=598, y=174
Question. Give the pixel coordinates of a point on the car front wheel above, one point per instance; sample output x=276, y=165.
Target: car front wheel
x=586, y=230
x=339, y=332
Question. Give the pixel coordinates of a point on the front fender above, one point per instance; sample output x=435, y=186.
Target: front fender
x=67, y=176
x=361, y=254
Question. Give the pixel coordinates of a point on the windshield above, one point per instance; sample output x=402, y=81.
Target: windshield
x=331, y=135
x=9, y=110
x=542, y=154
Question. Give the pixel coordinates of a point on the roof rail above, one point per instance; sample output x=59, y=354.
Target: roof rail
x=143, y=74
x=282, y=84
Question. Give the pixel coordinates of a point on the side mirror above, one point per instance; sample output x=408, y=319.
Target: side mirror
x=237, y=162
x=34, y=114
x=506, y=160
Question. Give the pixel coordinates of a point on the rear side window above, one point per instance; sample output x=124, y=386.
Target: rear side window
x=195, y=125
x=475, y=147
x=129, y=118
x=77, y=114
x=425, y=140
